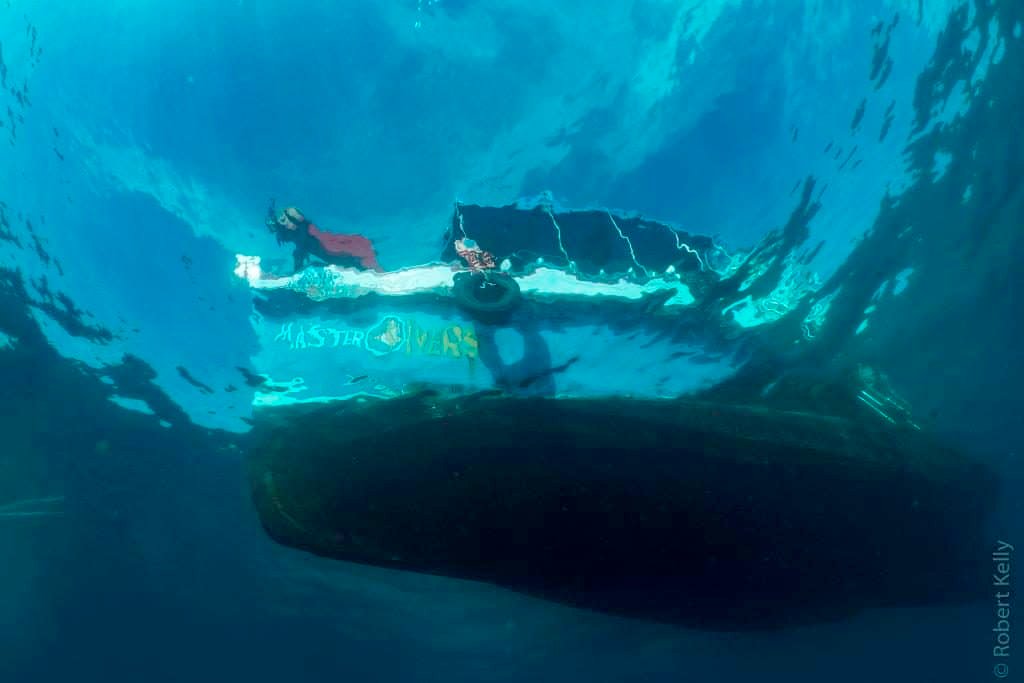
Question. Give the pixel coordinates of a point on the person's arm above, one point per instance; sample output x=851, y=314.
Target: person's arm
x=299, y=257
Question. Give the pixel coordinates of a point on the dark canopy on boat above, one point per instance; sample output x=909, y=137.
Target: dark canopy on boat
x=594, y=240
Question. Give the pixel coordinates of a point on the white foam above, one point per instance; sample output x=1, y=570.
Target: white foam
x=544, y=284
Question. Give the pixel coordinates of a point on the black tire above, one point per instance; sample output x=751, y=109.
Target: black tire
x=488, y=298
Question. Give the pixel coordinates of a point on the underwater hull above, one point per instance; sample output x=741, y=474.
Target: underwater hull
x=703, y=514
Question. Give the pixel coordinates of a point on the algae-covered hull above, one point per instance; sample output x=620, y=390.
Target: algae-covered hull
x=697, y=513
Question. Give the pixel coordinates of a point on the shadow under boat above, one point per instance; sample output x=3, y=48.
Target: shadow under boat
x=708, y=514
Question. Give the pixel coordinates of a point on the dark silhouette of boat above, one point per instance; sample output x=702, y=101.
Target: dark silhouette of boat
x=709, y=514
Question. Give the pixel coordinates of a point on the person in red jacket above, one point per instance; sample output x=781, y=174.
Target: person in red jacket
x=309, y=240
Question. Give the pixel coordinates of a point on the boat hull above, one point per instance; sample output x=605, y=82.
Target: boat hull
x=704, y=514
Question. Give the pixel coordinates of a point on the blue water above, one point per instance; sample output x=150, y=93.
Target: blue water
x=141, y=143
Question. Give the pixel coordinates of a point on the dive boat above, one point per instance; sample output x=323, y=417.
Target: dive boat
x=595, y=465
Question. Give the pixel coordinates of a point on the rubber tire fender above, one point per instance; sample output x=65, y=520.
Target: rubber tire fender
x=469, y=288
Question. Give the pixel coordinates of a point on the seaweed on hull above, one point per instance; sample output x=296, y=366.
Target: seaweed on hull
x=707, y=514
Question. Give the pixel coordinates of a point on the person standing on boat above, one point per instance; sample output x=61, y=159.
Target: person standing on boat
x=339, y=249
